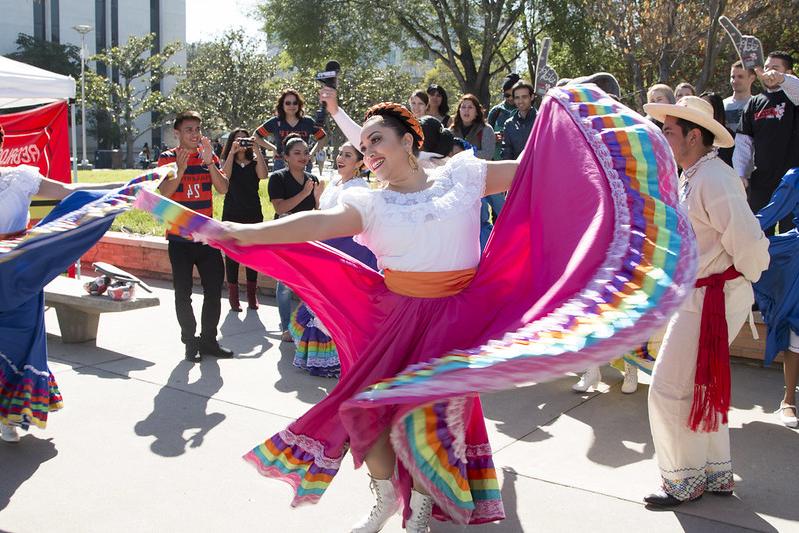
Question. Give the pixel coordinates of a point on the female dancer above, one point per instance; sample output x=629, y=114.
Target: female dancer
x=418, y=103
x=316, y=351
x=470, y=124
x=289, y=118
x=423, y=229
x=777, y=291
x=439, y=104
x=558, y=300
x=28, y=390
x=245, y=169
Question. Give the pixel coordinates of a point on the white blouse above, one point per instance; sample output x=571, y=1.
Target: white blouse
x=334, y=189
x=17, y=186
x=433, y=230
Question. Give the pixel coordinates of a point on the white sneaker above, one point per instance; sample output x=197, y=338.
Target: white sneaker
x=8, y=433
x=421, y=513
x=788, y=420
x=630, y=384
x=385, y=507
x=588, y=380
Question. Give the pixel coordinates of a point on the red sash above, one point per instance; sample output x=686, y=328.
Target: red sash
x=712, y=381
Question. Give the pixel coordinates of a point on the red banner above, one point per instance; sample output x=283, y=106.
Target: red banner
x=39, y=137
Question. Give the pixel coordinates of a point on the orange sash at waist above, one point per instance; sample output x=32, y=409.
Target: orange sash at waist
x=428, y=284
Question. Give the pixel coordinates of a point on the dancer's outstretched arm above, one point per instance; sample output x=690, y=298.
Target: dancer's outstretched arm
x=500, y=174
x=350, y=128
x=339, y=221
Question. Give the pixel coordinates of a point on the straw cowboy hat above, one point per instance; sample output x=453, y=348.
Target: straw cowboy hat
x=693, y=109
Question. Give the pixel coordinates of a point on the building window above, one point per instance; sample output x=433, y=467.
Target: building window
x=55, y=22
x=100, y=33
x=115, y=35
x=155, y=27
x=39, y=24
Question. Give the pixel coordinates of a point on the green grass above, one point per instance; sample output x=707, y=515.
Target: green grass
x=142, y=223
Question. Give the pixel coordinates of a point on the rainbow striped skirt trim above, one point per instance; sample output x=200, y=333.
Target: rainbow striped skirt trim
x=315, y=351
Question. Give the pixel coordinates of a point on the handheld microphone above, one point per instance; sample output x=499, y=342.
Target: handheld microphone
x=328, y=78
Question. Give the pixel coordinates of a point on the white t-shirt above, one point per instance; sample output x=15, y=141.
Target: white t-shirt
x=17, y=186
x=433, y=230
x=334, y=189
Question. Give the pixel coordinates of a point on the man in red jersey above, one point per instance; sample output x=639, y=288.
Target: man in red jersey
x=198, y=172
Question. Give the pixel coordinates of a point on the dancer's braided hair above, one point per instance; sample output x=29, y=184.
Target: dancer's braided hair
x=400, y=114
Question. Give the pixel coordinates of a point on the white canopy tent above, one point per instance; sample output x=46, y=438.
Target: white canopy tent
x=23, y=85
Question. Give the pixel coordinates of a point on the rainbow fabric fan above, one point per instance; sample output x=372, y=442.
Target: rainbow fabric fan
x=590, y=255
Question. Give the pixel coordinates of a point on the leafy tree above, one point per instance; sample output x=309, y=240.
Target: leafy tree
x=59, y=58
x=226, y=81
x=313, y=32
x=466, y=36
x=140, y=69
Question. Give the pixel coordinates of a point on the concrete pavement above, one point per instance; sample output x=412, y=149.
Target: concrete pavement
x=148, y=442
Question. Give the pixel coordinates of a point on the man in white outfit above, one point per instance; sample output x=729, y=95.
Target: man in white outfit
x=690, y=392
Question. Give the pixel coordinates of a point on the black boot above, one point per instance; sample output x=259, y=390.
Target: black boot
x=193, y=350
x=212, y=348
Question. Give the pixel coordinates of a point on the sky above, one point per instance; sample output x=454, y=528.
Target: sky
x=222, y=16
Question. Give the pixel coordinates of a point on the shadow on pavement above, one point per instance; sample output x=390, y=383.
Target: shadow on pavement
x=20, y=462
x=246, y=336
x=620, y=423
x=176, y=411
x=309, y=389
x=512, y=522
x=123, y=364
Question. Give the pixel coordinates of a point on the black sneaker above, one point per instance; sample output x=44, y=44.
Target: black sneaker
x=193, y=351
x=214, y=350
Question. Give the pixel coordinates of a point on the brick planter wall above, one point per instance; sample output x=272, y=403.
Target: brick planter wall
x=146, y=257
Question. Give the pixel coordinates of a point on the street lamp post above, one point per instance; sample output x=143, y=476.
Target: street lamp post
x=83, y=29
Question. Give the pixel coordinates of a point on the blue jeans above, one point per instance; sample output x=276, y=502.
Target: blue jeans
x=495, y=202
x=283, y=296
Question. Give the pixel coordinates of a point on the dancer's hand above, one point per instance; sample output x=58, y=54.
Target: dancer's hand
x=329, y=96
x=243, y=234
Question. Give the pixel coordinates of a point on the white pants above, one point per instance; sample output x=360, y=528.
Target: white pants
x=690, y=462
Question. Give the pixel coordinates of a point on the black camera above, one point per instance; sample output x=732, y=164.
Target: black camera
x=245, y=143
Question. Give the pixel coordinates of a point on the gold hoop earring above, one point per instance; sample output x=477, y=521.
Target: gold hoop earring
x=413, y=162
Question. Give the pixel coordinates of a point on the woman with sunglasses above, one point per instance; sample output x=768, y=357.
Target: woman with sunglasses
x=289, y=118
x=439, y=104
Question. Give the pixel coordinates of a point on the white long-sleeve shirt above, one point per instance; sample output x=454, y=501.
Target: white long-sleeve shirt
x=727, y=233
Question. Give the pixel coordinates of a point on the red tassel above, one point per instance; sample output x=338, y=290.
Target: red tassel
x=712, y=382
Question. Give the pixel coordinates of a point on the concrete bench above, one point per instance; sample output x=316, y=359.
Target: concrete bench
x=79, y=312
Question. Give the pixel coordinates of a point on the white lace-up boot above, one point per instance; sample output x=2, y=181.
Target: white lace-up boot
x=387, y=504
x=421, y=513
x=590, y=379
x=8, y=433
x=630, y=384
